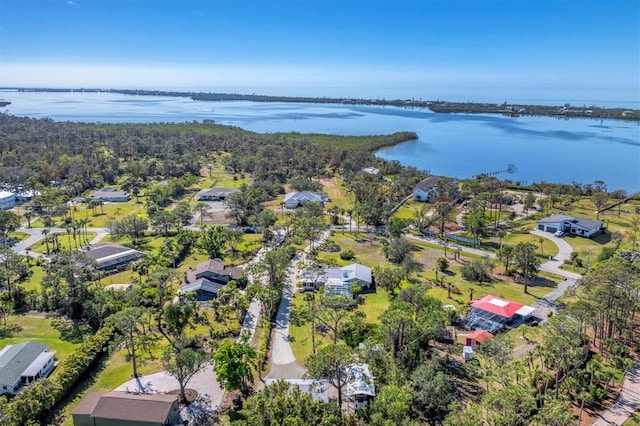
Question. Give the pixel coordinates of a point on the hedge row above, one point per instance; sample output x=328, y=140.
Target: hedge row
x=34, y=404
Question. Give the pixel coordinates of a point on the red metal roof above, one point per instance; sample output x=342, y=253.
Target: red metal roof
x=497, y=306
x=480, y=336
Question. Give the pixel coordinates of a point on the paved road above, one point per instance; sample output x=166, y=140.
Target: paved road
x=210, y=394
x=564, y=252
x=627, y=403
x=35, y=235
x=283, y=364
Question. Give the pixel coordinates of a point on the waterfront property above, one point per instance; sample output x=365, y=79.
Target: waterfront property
x=123, y=408
x=570, y=225
x=427, y=189
x=214, y=194
x=7, y=200
x=294, y=200
x=110, y=195
x=24, y=363
x=493, y=314
x=110, y=256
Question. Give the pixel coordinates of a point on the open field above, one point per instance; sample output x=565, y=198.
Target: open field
x=65, y=240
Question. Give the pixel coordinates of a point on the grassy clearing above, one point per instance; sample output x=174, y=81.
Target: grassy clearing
x=34, y=281
x=65, y=240
x=548, y=247
x=407, y=210
x=39, y=329
x=18, y=236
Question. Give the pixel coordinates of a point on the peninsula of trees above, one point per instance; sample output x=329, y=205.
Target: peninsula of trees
x=441, y=106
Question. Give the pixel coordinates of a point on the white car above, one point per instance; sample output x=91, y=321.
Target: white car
x=559, y=234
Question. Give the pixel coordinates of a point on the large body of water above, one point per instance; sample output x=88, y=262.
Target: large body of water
x=459, y=145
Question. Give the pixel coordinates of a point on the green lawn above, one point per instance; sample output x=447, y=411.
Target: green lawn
x=65, y=240
x=34, y=281
x=41, y=330
x=408, y=209
x=634, y=420
x=548, y=247
x=18, y=236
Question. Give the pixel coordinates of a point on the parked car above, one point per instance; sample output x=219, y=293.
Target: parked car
x=559, y=234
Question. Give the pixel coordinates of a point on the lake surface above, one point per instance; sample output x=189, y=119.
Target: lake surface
x=460, y=145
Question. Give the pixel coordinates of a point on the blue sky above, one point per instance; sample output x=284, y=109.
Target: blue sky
x=582, y=49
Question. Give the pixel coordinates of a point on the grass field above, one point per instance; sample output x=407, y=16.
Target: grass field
x=548, y=247
x=39, y=329
x=63, y=240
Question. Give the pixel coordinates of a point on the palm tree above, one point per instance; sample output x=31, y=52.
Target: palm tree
x=45, y=232
x=202, y=209
x=28, y=215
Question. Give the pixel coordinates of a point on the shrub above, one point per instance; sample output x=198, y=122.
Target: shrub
x=347, y=255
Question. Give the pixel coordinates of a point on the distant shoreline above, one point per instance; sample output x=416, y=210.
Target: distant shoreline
x=439, y=106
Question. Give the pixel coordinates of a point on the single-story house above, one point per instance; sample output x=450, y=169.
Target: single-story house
x=293, y=200
x=360, y=385
x=7, y=200
x=112, y=256
x=313, y=279
x=369, y=171
x=427, y=189
x=203, y=288
x=473, y=340
x=23, y=363
x=318, y=389
x=130, y=409
x=110, y=195
x=492, y=313
x=214, y=194
x=23, y=196
x=570, y=225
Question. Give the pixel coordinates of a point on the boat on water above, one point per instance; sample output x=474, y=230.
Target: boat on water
x=4, y=103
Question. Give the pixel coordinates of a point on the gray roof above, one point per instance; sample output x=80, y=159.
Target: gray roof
x=216, y=192
x=428, y=183
x=201, y=284
x=107, y=193
x=584, y=223
x=14, y=359
x=306, y=196
x=216, y=266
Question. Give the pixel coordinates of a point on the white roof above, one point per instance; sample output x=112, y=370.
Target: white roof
x=357, y=271
x=37, y=364
x=360, y=380
x=6, y=194
x=525, y=311
x=499, y=302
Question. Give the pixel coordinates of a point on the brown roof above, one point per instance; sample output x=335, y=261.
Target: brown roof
x=217, y=266
x=88, y=404
x=152, y=408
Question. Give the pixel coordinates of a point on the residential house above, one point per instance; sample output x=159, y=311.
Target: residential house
x=318, y=389
x=427, y=189
x=369, y=171
x=209, y=277
x=110, y=195
x=474, y=340
x=130, y=409
x=294, y=200
x=24, y=363
x=492, y=314
x=110, y=256
x=570, y=225
x=313, y=279
x=360, y=385
x=214, y=194
x=7, y=200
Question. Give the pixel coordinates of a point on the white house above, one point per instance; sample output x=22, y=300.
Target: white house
x=360, y=386
x=24, y=363
x=427, y=189
x=110, y=195
x=339, y=278
x=7, y=200
x=570, y=225
x=293, y=200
